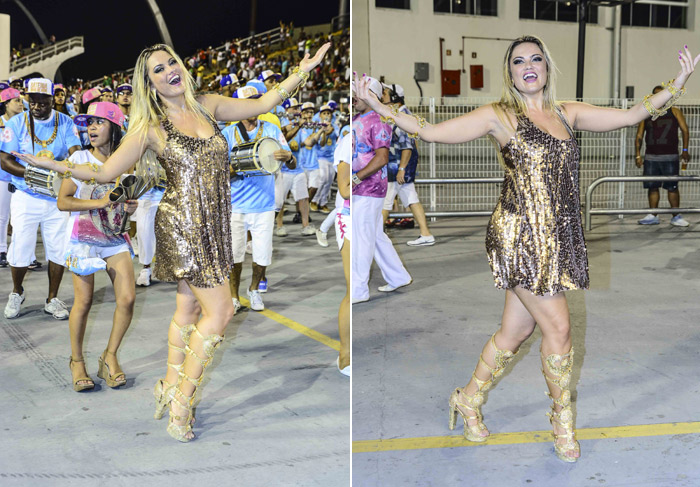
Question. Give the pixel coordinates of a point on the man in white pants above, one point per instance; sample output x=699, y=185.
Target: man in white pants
x=145, y=229
x=43, y=132
x=253, y=204
x=326, y=139
x=371, y=139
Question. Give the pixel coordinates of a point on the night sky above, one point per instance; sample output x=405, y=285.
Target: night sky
x=113, y=39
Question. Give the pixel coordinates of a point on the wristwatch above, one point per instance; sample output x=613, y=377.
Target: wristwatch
x=356, y=179
x=402, y=169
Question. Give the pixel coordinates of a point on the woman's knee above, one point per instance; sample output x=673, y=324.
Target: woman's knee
x=126, y=300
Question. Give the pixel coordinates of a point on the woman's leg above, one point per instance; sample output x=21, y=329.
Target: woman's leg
x=344, y=312
x=552, y=315
x=516, y=326
x=121, y=272
x=187, y=311
x=77, y=320
x=217, y=311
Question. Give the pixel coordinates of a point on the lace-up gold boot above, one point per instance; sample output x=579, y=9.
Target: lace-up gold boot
x=558, y=374
x=472, y=403
x=202, y=350
x=163, y=390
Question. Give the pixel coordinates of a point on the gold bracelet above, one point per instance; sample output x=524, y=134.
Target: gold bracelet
x=284, y=94
x=421, y=123
x=653, y=111
x=388, y=120
x=395, y=110
x=92, y=181
x=675, y=94
x=67, y=175
x=302, y=74
x=94, y=167
x=69, y=164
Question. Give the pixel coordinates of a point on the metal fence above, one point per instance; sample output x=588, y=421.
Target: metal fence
x=602, y=154
x=46, y=53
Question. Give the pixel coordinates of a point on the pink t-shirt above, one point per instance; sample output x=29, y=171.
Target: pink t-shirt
x=369, y=133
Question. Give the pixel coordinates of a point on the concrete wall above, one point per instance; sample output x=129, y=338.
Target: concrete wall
x=4, y=46
x=387, y=42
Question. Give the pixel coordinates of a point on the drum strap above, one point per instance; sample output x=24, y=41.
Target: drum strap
x=244, y=133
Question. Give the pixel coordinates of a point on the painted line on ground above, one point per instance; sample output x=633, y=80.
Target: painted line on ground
x=298, y=327
x=428, y=442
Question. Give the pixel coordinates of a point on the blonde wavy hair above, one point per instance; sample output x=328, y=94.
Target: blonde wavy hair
x=511, y=99
x=147, y=110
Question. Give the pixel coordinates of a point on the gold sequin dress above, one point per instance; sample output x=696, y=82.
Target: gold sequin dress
x=193, y=222
x=535, y=236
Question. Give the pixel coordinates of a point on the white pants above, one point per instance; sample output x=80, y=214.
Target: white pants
x=5, y=197
x=145, y=230
x=27, y=215
x=286, y=181
x=329, y=221
x=370, y=242
x=407, y=194
x=326, y=180
x=260, y=226
x=313, y=177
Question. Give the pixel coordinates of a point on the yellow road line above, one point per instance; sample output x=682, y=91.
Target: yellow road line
x=427, y=442
x=298, y=327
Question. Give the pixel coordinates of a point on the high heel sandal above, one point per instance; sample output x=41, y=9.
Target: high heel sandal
x=559, y=366
x=209, y=346
x=473, y=402
x=163, y=390
x=104, y=373
x=80, y=387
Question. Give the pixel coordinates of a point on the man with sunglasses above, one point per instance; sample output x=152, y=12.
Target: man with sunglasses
x=124, y=92
x=43, y=132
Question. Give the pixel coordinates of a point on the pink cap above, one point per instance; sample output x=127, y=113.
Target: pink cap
x=101, y=109
x=91, y=94
x=58, y=86
x=8, y=94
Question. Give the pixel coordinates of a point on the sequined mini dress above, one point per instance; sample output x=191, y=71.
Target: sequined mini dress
x=535, y=236
x=193, y=221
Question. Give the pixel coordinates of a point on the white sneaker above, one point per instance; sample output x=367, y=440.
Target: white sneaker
x=256, y=302
x=14, y=302
x=236, y=305
x=281, y=232
x=322, y=238
x=249, y=247
x=345, y=370
x=387, y=288
x=57, y=308
x=308, y=230
x=422, y=241
x=360, y=300
x=679, y=221
x=649, y=220
x=144, y=278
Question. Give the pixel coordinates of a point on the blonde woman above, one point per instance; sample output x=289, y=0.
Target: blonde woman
x=534, y=239
x=193, y=230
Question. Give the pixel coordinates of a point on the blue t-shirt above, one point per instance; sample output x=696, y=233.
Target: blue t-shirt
x=4, y=175
x=254, y=194
x=16, y=137
x=308, y=157
x=326, y=151
x=295, y=144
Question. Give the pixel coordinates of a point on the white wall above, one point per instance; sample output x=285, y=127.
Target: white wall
x=387, y=42
x=4, y=46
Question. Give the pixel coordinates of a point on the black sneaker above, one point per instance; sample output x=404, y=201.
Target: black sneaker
x=34, y=265
x=3, y=259
x=297, y=218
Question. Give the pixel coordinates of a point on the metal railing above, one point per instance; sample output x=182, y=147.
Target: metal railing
x=632, y=211
x=46, y=53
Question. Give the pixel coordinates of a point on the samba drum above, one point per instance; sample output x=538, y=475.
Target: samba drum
x=256, y=157
x=42, y=181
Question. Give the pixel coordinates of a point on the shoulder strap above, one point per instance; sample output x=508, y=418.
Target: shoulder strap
x=564, y=121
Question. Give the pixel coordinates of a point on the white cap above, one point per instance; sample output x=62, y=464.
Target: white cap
x=308, y=105
x=375, y=87
x=246, y=92
x=398, y=89
x=41, y=86
x=325, y=107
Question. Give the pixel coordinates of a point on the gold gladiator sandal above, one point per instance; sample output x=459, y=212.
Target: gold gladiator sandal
x=559, y=368
x=163, y=390
x=473, y=403
x=209, y=345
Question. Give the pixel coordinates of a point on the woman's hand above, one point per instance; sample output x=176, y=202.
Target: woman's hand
x=130, y=206
x=104, y=202
x=361, y=91
x=44, y=162
x=687, y=66
x=307, y=64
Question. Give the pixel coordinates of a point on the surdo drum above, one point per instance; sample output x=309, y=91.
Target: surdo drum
x=256, y=157
x=42, y=181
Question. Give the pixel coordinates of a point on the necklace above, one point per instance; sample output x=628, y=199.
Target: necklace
x=44, y=143
x=258, y=135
